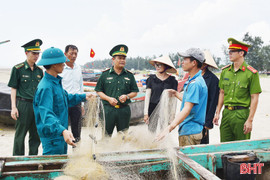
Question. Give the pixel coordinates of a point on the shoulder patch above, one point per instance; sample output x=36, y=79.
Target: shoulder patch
x=226, y=66
x=40, y=68
x=106, y=69
x=252, y=69
x=18, y=66
x=129, y=71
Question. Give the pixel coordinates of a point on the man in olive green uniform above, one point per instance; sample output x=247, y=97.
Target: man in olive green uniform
x=116, y=86
x=239, y=92
x=23, y=82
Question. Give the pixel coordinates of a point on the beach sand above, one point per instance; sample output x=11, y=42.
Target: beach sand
x=260, y=130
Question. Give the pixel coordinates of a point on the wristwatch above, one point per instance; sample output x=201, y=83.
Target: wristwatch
x=127, y=97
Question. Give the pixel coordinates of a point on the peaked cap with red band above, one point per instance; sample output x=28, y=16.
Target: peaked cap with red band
x=234, y=44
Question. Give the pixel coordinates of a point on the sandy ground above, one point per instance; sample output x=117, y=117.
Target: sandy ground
x=261, y=123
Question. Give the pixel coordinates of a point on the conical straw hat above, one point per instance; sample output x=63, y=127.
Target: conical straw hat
x=164, y=60
x=209, y=60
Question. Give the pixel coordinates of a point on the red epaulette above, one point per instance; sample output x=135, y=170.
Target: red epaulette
x=226, y=66
x=251, y=69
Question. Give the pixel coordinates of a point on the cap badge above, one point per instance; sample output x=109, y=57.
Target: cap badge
x=230, y=42
x=37, y=43
x=122, y=49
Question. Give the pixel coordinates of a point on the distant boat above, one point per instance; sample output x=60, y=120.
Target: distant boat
x=5, y=105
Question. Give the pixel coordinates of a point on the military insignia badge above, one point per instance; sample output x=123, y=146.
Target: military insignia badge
x=37, y=43
x=230, y=42
x=122, y=49
x=126, y=78
x=38, y=76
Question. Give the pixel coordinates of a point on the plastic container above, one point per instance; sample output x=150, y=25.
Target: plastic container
x=231, y=165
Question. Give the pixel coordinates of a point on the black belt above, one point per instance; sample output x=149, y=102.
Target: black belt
x=235, y=107
x=23, y=99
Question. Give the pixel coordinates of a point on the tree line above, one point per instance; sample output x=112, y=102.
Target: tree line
x=258, y=56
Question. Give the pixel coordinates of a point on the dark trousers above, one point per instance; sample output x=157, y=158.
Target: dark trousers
x=74, y=115
x=152, y=126
x=25, y=123
x=118, y=117
x=205, y=136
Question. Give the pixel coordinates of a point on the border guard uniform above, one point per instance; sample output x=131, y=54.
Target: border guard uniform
x=25, y=81
x=114, y=85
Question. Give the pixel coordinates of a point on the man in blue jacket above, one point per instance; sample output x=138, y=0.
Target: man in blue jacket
x=191, y=118
x=51, y=104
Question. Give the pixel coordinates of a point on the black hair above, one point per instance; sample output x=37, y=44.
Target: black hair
x=47, y=66
x=199, y=64
x=71, y=47
x=245, y=52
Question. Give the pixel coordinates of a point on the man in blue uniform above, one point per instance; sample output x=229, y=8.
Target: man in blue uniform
x=194, y=100
x=51, y=104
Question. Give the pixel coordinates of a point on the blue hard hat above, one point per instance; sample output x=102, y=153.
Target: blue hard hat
x=52, y=56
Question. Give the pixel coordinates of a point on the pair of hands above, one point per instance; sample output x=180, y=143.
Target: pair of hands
x=123, y=98
x=247, y=126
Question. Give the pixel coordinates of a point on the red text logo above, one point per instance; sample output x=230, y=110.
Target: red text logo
x=248, y=168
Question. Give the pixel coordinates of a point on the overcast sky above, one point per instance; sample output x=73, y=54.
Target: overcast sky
x=147, y=27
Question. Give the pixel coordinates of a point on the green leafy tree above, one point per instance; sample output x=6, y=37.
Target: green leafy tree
x=254, y=55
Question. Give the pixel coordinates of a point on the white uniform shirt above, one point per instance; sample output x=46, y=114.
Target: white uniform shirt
x=72, y=79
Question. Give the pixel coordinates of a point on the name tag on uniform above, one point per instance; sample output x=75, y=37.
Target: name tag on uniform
x=109, y=78
x=226, y=79
x=126, y=78
x=25, y=76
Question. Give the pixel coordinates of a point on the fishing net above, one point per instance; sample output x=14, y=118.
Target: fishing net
x=82, y=164
x=86, y=160
x=163, y=114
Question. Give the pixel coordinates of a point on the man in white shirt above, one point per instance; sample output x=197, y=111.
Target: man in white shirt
x=73, y=83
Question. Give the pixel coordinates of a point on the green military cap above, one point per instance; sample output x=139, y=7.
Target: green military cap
x=235, y=44
x=120, y=50
x=33, y=45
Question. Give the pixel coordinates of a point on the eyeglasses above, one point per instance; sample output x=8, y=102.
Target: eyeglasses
x=232, y=51
x=158, y=65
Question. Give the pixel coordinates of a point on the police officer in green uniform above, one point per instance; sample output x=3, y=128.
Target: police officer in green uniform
x=239, y=92
x=116, y=86
x=23, y=82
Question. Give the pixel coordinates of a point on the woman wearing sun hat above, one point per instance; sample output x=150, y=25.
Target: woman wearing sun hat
x=157, y=83
x=51, y=104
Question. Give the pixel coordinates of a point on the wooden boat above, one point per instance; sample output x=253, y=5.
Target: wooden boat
x=5, y=105
x=197, y=162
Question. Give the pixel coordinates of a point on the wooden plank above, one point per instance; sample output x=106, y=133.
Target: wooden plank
x=228, y=146
x=2, y=163
x=211, y=162
x=198, y=171
x=200, y=158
